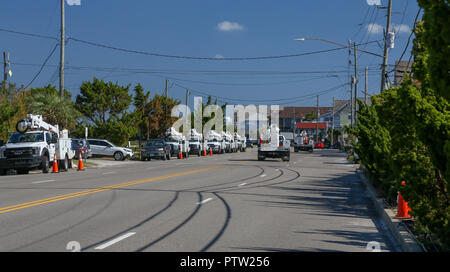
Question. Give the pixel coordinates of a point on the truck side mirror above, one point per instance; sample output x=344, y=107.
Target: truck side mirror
x=54, y=140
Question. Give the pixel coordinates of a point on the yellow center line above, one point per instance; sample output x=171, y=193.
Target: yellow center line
x=101, y=189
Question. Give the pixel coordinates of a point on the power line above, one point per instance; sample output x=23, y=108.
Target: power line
x=409, y=39
x=43, y=65
x=29, y=34
x=290, y=99
x=201, y=58
x=202, y=72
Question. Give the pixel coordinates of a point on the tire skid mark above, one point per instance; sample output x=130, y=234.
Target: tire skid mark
x=171, y=202
x=167, y=234
x=224, y=226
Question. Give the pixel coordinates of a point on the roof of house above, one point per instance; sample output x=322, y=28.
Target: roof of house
x=301, y=112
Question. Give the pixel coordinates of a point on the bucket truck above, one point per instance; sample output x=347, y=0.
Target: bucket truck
x=215, y=142
x=34, y=146
x=273, y=145
x=178, y=143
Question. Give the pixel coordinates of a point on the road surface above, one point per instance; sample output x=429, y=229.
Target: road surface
x=229, y=202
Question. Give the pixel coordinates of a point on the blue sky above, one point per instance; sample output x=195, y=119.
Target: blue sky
x=206, y=28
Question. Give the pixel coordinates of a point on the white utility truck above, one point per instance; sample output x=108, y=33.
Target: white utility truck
x=240, y=142
x=215, y=142
x=178, y=143
x=273, y=145
x=196, y=143
x=303, y=142
x=228, y=139
x=34, y=146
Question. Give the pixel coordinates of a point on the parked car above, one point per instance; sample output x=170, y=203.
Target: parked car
x=249, y=143
x=81, y=146
x=100, y=147
x=156, y=149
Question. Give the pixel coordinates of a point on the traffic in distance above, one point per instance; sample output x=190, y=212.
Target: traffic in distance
x=36, y=144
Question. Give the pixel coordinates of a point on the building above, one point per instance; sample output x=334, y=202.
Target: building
x=287, y=116
x=401, y=67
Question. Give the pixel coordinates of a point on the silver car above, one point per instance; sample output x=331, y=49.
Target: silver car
x=100, y=147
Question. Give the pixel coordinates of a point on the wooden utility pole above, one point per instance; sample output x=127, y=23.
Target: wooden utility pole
x=167, y=88
x=295, y=123
x=61, y=59
x=5, y=67
x=186, y=111
x=332, y=125
x=386, y=48
x=356, y=79
x=351, y=102
x=317, y=121
x=365, y=85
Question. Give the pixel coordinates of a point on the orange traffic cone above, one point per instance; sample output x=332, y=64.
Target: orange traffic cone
x=204, y=152
x=210, y=152
x=181, y=155
x=80, y=163
x=402, y=206
x=55, y=165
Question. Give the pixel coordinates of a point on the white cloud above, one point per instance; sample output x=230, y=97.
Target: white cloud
x=219, y=56
x=73, y=2
x=229, y=26
x=374, y=29
x=373, y=2
x=401, y=29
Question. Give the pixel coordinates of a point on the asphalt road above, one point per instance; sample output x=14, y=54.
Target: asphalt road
x=229, y=202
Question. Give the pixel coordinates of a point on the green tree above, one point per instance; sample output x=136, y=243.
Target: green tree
x=105, y=105
x=53, y=108
x=160, y=108
x=99, y=100
x=142, y=109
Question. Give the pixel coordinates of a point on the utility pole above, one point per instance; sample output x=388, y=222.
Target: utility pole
x=386, y=48
x=186, y=111
x=351, y=102
x=167, y=88
x=332, y=125
x=295, y=124
x=365, y=85
x=5, y=67
x=356, y=79
x=61, y=59
x=317, y=121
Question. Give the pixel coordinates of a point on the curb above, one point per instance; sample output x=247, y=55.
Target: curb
x=402, y=236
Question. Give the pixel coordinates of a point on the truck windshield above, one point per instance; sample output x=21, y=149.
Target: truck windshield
x=154, y=143
x=26, y=138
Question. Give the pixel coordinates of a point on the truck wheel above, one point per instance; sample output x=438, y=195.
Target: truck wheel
x=45, y=164
x=64, y=164
x=118, y=156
